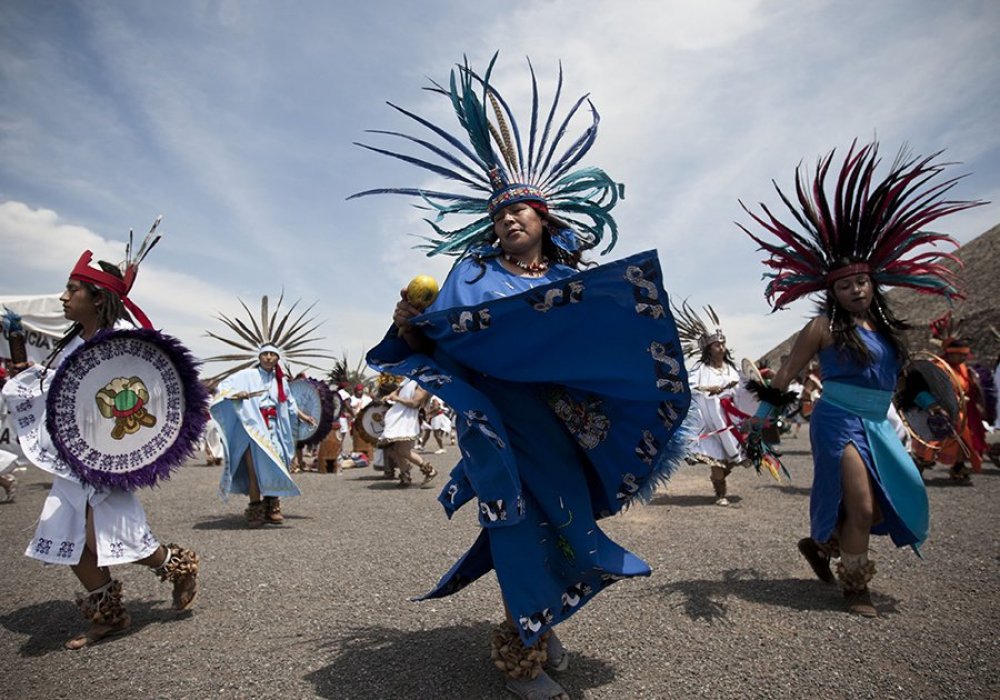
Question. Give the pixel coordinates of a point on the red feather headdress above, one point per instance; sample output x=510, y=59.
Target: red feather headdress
x=877, y=225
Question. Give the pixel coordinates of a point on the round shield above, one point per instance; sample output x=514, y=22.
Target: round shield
x=314, y=398
x=126, y=408
x=744, y=399
x=371, y=421
x=749, y=370
x=946, y=418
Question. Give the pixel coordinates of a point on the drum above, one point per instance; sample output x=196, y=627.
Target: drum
x=935, y=427
x=126, y=409
x=371, y=421
x=314, y=398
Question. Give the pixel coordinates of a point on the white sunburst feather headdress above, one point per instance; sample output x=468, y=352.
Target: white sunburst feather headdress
x=290, y=339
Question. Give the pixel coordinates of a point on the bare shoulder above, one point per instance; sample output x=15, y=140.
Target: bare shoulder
x=813, y=337
x=817, y=330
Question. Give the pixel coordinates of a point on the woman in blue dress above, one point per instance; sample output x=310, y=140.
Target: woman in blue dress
x=568, y=380
x=864, y=480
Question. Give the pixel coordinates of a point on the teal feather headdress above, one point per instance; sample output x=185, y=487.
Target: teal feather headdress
x=499, y=168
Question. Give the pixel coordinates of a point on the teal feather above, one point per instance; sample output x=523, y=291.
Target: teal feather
x=582, y=197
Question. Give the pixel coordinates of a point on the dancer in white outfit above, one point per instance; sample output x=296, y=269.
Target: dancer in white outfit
x=80, y=526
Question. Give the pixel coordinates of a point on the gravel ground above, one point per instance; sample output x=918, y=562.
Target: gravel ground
x=319, y=607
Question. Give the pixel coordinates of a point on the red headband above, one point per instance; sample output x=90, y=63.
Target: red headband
x=848, y=271
x=83, y=272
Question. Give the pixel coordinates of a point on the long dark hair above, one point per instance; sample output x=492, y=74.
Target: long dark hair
x=109, y=312
x=706, y=357
x=845, y=334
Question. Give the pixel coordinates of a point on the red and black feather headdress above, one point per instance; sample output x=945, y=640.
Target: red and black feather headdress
x=877, y=225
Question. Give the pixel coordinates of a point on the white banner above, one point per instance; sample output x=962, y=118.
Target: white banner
x=43, y=321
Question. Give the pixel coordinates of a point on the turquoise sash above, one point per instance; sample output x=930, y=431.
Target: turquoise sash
x=893, y=467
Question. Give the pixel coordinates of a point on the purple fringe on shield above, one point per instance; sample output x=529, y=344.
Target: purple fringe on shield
x=193, y=421
x=326, y=414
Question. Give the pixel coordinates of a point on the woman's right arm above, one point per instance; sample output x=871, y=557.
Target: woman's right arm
x=809, y=341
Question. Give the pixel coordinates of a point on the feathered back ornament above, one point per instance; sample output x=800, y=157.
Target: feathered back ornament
x=944, y=332
x=694, y=333
x=120, y=286
x=877, y=225
x=500, y=167
x=944, y=328
x=289, y=338
x=342, y=375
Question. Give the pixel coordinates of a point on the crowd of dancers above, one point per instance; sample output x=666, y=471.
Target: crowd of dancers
x=552, y=439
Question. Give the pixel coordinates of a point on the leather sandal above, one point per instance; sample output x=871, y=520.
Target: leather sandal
x=817, y=559
x=558, y=657
x=272, y=511
x=98, y=632
x=860, y=603
x=542, y=687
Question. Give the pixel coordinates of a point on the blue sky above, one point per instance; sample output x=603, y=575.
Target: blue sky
x=236, y=120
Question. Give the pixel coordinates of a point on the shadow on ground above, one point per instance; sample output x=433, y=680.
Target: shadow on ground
x=442, y=663
x=790, y=490
x=236, y=521
x=703, y=599
x=799, y=453
x=690, y=500
x=49, y=625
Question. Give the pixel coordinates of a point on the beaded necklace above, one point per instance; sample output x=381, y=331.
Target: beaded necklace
x=536, y=267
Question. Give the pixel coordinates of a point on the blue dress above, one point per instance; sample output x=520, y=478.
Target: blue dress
x=570, y=391
x=853, y=410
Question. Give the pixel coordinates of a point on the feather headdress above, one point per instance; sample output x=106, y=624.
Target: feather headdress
x=944, y=332
x=499, y=167
x=694, y=333
x=289, y=338
x=877, y=225
x=120, y=286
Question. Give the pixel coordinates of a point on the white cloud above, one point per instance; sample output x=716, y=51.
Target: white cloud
x=236, y=119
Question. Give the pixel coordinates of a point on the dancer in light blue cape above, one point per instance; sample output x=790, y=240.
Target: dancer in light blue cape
x=857, y=240
x=255, y=410
x=569, y=385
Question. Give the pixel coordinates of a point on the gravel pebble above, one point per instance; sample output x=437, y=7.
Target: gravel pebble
x=320, y=607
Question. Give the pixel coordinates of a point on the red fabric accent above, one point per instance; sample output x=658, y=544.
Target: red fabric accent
x=279, y=375
x=540, y=207
x=83, y=272
x=730, y=411
x=269, y=413
x=849, y=271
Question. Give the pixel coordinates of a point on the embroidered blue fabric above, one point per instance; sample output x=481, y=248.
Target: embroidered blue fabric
x=853, y=410
x=571, y=391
